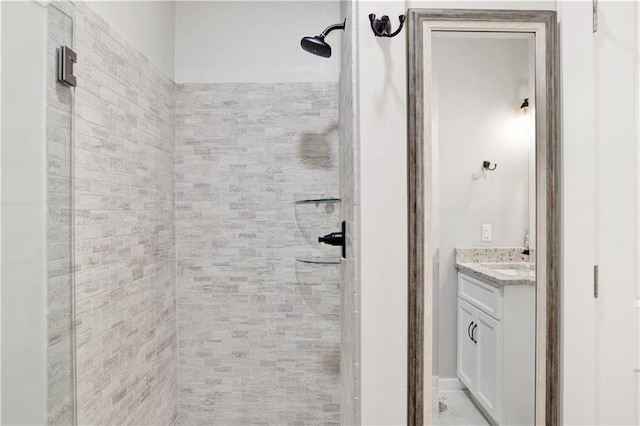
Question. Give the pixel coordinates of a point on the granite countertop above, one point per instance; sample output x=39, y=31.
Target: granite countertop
x=497, y=266
x=519, y=273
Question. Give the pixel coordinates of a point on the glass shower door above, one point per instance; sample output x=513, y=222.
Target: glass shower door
x=60, y=224
x=38, y=383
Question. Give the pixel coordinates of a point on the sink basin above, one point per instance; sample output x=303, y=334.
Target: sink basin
x=512, y=269
x=507, y=271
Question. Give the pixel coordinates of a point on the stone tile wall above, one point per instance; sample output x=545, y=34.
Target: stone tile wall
x=349, y=271
x=124, y=231
x=258, y=332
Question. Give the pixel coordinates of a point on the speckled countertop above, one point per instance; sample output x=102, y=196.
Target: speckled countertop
x=497, y=266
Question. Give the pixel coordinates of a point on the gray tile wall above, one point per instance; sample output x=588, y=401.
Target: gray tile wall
x=59, y=225
x=349, y=271
x=258, y=332
x=124, y=229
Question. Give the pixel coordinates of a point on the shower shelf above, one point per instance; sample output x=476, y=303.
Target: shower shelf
x=319, y=261
x=319, y=200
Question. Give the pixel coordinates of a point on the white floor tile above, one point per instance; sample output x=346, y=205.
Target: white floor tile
x=460, y=410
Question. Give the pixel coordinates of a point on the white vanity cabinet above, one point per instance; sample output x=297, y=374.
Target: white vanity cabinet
x=496, y=348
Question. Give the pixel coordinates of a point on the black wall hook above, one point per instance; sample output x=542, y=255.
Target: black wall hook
x=487, y=166
x=382, y=27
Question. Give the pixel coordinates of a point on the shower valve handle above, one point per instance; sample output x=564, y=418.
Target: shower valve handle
x=333, y=239
x=336, y=239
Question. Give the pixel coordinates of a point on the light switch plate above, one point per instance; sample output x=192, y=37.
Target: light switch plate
x=486, y=233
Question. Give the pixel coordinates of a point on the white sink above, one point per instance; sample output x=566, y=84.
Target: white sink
x=512, y=269
x=507, y=271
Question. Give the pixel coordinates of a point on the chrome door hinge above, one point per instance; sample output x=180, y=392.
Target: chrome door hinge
x=595, y=15
x=596, y=282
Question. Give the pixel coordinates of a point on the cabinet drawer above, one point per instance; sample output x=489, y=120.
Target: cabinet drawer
x=481, y=295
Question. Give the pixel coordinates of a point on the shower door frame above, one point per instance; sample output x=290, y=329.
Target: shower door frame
x=422, y=22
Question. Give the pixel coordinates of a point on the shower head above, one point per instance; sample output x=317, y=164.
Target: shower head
x=317, y=45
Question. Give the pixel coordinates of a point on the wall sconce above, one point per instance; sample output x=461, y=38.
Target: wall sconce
x=525, y=106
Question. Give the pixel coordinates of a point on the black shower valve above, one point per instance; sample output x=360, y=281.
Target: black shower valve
x=333, y=239
x=336, y=239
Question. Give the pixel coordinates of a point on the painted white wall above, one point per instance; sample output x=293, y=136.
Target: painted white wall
x=481, y=4
x=148, y=25
x=24, y=290
x=254, y=41
x=481, y=83
x=532, y=145
x=383, y=219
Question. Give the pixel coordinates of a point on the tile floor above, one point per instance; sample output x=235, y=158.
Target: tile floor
x=460, y=410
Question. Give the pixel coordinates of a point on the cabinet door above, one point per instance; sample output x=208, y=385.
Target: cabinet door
x=487, y=335
x=467, y=359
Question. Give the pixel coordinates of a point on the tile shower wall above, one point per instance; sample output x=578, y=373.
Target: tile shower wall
x=349, y=271
x=124, y=225
x=258, y=332
x=59, y=225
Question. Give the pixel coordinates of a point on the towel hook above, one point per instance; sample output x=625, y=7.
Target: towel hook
x=487, y=166
x=382, y=27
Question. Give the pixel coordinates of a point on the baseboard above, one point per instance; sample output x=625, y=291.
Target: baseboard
x=450, y=384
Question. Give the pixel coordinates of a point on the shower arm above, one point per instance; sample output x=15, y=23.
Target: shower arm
x=333, y=27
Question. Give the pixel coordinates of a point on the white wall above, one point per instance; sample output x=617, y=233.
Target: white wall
x=148, y=25
x=228, y=41
x=383, y=218
x=254, y=41
x=24, y=167
x=481, y=82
